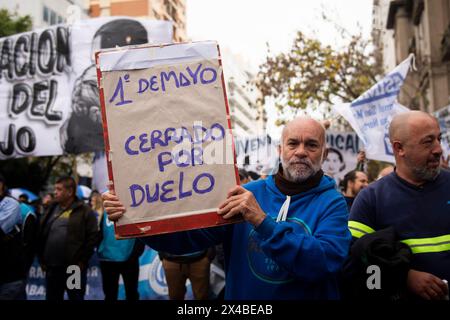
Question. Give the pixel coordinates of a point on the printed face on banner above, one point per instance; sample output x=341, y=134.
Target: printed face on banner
x=49, y=101
x=443, y=116
x=170, y=147
x=343, y=148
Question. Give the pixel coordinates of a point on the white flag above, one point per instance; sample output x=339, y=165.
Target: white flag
x=371, y=113
x=100, y=172
x=443, y=116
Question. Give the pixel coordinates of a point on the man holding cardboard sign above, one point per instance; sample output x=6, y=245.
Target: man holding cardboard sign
x=295, y=236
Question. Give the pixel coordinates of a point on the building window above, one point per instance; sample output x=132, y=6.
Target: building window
x=170, y=9
x=445, y=45
x=52, y=17
x=46, y=15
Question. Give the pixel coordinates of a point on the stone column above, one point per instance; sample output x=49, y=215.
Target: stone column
x=437, y=12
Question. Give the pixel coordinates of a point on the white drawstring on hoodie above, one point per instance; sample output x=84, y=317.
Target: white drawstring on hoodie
x=282, y=214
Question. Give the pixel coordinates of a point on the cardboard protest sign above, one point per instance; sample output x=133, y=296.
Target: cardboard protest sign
x=167, y=135
x=49, y=102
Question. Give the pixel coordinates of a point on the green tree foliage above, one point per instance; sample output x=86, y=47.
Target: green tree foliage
x=313, y=74
x=37, y=174
x=12, y=23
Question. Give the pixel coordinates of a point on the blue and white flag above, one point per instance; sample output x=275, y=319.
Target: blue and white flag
x=371, y=113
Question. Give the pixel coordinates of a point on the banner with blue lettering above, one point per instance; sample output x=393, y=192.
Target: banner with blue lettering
x=257, y=154
x=343, y=148
x=443, y=116
x=49, y=101
x=371, y=113
x=36, y=282
x=168, y=135
x=151, y=286
x=152, y=282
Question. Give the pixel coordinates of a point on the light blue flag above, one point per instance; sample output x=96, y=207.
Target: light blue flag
x=371, y=113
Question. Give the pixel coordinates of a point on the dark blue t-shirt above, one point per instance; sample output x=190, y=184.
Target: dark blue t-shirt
x=420, y=215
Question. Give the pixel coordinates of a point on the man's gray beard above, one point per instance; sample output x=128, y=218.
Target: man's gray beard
x=425, y=174
x=299, y=176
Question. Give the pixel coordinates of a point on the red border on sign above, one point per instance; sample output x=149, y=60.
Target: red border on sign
x=196, y=221
x=204, y=220
x=104, y=121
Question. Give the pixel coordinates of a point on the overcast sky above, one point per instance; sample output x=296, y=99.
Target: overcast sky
x=245, y=26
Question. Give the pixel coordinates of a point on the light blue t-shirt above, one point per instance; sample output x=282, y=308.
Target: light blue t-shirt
x=26, y=210
x=110, y=248
x=9, y=214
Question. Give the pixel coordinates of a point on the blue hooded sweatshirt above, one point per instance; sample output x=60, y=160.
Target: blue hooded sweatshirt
x=298, y=258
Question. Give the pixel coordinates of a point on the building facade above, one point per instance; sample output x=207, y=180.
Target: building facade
x=248, y=116
x=173, y=10
x=382, y=37
x=422, y=27
x=48, y=12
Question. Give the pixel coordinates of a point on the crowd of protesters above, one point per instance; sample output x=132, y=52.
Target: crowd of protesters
x=318, y=245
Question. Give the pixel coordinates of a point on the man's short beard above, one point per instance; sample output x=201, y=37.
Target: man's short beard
x=425, y=174
x=299, y=175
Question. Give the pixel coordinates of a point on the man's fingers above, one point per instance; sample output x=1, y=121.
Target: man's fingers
x=235, y=211
x=439, y=287
x=115, y=213
x=440, y=291
x=235, y=190
x=110, y=203
x=434, y=288
x=226, y=202
x=109, y=196
x=115, y=209
x=432, y=293
x=112, y=210
x=115, y=216
x=230, y=205
x=425, y=295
